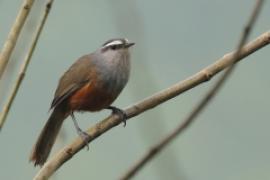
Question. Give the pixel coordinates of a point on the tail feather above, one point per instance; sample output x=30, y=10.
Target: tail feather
x=47, y=137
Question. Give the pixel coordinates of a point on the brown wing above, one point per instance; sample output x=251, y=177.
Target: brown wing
x=73, y=79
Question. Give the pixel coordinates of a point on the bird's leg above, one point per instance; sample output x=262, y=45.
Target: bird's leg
x=80, y=132
x=119, y=112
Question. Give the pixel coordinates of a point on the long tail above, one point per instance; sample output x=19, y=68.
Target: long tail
x=47, y=137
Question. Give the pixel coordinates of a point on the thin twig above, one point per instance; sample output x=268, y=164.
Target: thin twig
x=157, y=148
x=14, y=34
x=24, y=66
x=100, y=128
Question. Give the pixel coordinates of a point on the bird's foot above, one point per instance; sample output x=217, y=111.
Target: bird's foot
x=84, y=136
x=120, y=113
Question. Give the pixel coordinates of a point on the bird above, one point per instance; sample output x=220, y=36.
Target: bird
x=91, y=84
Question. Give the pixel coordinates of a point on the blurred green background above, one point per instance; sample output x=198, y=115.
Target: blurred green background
x=174, y=39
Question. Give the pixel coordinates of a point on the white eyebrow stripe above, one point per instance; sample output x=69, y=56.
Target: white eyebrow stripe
x=116, y=42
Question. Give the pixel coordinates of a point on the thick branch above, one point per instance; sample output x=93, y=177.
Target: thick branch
x=14, y=34
x=24, y=66
x=204, y=75
x=157, y=148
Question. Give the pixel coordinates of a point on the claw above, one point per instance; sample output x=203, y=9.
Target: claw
x=120, y=113
x=84, y=136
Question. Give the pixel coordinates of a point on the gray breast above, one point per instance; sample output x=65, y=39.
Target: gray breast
x=113, y=70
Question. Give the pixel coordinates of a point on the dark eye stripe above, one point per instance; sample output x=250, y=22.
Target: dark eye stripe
x=114, y=47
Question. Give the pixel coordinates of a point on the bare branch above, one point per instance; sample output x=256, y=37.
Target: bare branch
x=24, y=66
x=14, y=34
x=157, y=148
x=204, y=75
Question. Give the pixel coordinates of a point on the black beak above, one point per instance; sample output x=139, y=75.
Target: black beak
x=129, y=44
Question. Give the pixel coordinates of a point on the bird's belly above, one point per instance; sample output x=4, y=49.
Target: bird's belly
x=91, y=97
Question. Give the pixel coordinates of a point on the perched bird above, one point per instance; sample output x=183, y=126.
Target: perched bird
x=92, y=83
